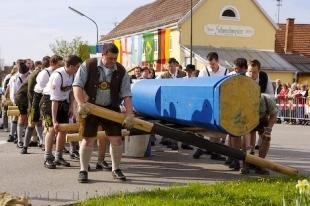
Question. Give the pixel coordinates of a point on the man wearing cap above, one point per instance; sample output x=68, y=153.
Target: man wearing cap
x=190, y=71
x=103, y=82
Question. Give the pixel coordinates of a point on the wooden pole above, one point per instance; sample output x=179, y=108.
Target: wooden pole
x=12, y=107
x=264, y=163
x=75, y=137
x=14, y=113
x=118, y=117
x=194, y=139
x=69, y=127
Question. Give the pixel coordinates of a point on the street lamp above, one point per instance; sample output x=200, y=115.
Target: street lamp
x=191, y=35
x=80, y=13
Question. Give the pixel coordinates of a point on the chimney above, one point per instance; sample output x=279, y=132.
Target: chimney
x=289, y=34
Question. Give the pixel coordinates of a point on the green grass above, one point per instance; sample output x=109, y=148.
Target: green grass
x=251, y=192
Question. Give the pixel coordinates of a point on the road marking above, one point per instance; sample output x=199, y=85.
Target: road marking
x=3, y=142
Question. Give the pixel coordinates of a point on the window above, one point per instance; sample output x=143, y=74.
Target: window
x=230, y=13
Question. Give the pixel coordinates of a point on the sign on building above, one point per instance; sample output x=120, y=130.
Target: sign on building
x=228, y=30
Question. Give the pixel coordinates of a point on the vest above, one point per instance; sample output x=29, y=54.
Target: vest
x=263, y=81
x=32, y=83
x=92, y=82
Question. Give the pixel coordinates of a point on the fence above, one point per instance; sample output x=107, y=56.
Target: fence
x=294, y=110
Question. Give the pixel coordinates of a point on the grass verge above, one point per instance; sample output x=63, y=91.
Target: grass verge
x=251, y=192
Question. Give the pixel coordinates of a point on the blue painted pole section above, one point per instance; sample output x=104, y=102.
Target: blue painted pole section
x=193, y=101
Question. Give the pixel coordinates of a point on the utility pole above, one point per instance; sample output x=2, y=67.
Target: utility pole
x=279, y=4
x=191, y=52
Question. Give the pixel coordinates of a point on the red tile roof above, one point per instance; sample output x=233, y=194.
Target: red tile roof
x=156, y=14
x=301, y=39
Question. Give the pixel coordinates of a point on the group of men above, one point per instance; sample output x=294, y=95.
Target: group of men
x=57, y=91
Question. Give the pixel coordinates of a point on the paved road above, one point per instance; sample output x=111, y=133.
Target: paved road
x=24, y=174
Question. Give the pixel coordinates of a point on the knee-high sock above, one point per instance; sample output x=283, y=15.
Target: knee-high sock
x=116, y=156
x=13, y=128
x=28, y=133
x=20, y=130
x=39, y=130
x=85, y=155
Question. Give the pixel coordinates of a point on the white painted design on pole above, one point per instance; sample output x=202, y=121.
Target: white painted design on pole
x=228, y=30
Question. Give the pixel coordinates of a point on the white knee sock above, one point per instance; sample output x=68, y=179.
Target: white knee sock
x=39, y=130
x=85, y=155
x=116, y=156
x=20, y=131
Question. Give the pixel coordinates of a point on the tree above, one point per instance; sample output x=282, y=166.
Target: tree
x=64, y=48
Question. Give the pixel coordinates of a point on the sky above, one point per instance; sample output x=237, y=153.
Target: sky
x=28, y=27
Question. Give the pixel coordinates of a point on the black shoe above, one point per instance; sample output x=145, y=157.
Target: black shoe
x=174, y=146
x=244, y=171
x=198, y=153
x=20, y=144
x=75, y=155
x=83, y=177
x=62, y=161
x=228, y=161
x=235, y=165
x=24, y=150
x=252, y=167
x=65, y=151
x=10, y=139
x=164, y=141
x=103, y=166
x=186, y=146
x=49, y=163
x=118, y=175
x=216, y=156
x=33, y=144
x=261, y=171
x=256, y=147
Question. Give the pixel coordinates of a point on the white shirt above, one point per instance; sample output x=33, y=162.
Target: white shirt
x=222, y=71
x=232, y=73
x=14, y=84
x=42, y=79
x=5, y=78
x=56, y=82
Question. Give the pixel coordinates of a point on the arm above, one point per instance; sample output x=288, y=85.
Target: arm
x=128, y=105
x=272, y=120
x=71, y=107
x=78, y=95
x=54, y=114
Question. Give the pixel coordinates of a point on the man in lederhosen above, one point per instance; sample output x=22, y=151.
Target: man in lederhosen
x=103, y=82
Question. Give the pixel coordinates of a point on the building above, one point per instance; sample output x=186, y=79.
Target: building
x=293, y=43
x=234, y=28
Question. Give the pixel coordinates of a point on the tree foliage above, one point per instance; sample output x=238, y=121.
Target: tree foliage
x=64, y=48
